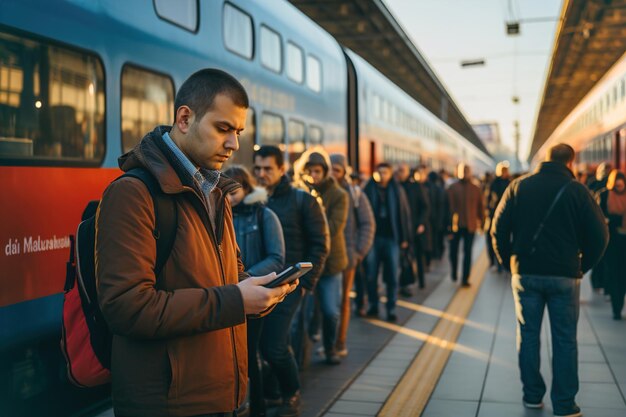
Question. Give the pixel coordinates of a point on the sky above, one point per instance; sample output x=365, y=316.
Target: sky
x=447, y=32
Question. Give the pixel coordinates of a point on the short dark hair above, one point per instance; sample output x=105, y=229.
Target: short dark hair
x=273, y=151
x=242, y=176
x=562, y=153
x=198, y=92
x=384, y=165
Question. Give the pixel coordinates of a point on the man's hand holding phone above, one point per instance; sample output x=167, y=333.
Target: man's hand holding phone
x=257, y=298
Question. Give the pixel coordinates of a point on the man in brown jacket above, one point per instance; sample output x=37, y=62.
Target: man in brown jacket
x=179, y=346
x=466, y=215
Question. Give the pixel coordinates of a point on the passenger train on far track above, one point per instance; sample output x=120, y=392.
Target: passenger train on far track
x=81, y=81
x=596, y=127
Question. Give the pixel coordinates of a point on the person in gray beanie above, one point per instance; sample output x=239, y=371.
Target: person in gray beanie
x=359, y=235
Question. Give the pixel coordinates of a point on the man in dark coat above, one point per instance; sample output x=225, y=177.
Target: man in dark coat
x=549, y=231
x=306, y=239
x=419, y=207
x=393, y=223
x=495, y=192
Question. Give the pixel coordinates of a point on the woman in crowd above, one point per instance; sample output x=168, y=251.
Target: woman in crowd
x=260, y=239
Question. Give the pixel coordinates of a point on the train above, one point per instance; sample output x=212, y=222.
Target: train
x=81, y=81
x=596, y=127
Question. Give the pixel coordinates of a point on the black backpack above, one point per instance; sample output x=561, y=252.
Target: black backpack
x=86, y=338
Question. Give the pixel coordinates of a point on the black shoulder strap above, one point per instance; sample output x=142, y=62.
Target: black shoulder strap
x=165, y=213
x=299, y=199
x=543, y=222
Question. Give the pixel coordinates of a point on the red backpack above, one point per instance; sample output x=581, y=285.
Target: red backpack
x=86, y=338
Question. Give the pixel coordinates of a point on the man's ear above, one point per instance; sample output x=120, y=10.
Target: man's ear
x=184, y=118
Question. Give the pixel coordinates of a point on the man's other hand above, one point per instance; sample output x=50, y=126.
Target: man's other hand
x=257, y=298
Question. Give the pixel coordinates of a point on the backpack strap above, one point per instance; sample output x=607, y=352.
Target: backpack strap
x=543, y=222
x=165, y=213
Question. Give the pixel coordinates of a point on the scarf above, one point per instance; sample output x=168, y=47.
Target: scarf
x=616, y=204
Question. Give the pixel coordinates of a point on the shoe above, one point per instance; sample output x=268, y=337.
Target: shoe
x=574, y=413
x=617, y=316
x=406, y=292
x=290, y=406
x=466, y=284
x=333, y=359
x=273, y=402
x=342, y=352
x=533, y=405
x=372, y=313
x=392, y=318
x=453, y=278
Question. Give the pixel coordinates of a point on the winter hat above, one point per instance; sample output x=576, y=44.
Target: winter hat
x=339, y=159
x=316, y=158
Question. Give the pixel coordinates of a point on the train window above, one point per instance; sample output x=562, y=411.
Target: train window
x=147, y=101
x=295, y=63
x=183, y=13
x=237, y=31
x=51, y=104
x=316, y=135
x=271, y=49
x=295, y=133
x=272, y=129
x=376, y=105
x=313, y=73
x=245, y=154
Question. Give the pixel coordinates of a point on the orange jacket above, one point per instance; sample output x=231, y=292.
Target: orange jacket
x=180, y=349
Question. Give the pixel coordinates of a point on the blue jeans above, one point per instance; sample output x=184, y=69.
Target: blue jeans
x=532, y=293
x=328, y=292
x=385, y=251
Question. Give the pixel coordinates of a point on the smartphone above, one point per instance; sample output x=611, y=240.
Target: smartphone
x=290, y=274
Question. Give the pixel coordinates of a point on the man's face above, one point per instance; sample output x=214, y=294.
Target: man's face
x=267, y=171
x=211, y=140
x=337, y=172
x=384, y=174
x=316, y=173
x=403, y=172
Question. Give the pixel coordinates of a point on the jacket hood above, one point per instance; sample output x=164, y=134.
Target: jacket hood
x=258, y=195
x=153, y=154
x=315, y=155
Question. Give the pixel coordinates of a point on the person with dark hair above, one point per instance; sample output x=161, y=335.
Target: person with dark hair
x=437, y=198
x=419, y=207
x=549, y=231
x=306, y=235
x=359, y=235
x=597, y=185
x=495, y=191
x=612, y=200
x=260, y=239
x=465, y=215
x=312, y=171
x=393, y=226
x=180, y=332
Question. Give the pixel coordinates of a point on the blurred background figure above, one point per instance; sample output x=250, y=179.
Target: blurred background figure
x=613, y=203
x=466, y=216
x=359, y=235
x=393, y=223
x=494, y=195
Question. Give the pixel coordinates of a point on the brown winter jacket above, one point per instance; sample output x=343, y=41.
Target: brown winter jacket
x=180, y=349
x=466, y=206
x=336, y=203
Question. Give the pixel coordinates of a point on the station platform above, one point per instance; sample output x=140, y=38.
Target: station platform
x=452, y=353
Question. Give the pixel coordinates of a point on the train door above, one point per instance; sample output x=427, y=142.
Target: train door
x=353, y=116
x=372, y=156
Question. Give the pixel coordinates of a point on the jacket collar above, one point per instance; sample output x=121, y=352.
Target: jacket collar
x=554, y=168
x=283, y=187
x=325, y=185
x=153, y=154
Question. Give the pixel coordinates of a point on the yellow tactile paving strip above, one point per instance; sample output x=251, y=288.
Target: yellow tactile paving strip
x=410, y=396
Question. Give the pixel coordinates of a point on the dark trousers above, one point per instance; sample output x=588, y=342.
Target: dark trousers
x=418, y=249
x=275, y=344
x=257, y=403
x=385, y=251
x=360, y=285
x=616, y=279
x=468, y=240
x=493, y=260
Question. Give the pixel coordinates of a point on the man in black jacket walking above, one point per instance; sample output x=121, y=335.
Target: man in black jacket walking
x=549, y=231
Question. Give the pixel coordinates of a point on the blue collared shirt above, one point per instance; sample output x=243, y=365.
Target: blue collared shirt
x=205, y=179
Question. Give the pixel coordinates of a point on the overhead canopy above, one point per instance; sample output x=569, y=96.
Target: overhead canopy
x=368, y=28
x=590, y=38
